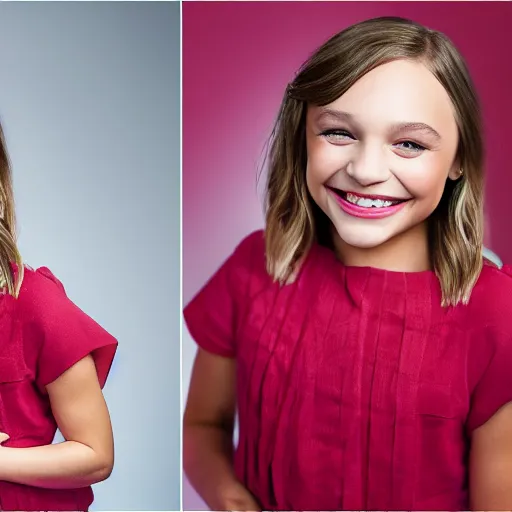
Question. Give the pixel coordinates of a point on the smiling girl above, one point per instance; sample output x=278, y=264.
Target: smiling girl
x=357, y=337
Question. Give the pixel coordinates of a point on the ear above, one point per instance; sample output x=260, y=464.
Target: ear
x=455, y=171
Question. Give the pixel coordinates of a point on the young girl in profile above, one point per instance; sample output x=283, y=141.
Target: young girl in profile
x=363, y=341
x=54, y=361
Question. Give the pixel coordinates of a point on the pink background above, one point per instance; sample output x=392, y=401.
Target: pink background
x=238, y=58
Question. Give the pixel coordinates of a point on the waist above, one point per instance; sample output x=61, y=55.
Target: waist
x=23, y=497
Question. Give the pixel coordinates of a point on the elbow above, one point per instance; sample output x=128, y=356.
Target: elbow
x=102, y=471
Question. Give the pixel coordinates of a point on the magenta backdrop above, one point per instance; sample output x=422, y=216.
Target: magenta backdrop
x=238, y=58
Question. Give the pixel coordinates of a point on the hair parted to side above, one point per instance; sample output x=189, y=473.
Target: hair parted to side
x=9, y=253
x=294, y=221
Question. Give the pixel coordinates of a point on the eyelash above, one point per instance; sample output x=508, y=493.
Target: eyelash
x=416, y=147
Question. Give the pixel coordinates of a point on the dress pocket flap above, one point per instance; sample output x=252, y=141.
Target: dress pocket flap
x=436, y=400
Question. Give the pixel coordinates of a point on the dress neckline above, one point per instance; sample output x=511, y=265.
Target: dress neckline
x=328, y=255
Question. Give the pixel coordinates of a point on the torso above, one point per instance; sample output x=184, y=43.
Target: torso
x=354, y=388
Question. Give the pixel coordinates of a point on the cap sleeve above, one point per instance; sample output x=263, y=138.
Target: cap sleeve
x=494, y=388
x=212, y=316
x=61, y=332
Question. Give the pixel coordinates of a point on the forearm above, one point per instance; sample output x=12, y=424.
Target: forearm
x=208, y=463
x=65, y=465
x=493, y=490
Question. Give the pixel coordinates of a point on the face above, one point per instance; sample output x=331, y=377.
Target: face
x=379, y=156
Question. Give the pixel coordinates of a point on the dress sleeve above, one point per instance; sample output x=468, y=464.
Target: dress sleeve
x=62, y=332
x=212, y=315
x=494, y=388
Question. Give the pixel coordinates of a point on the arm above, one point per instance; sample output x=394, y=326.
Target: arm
x=208, y=434
x=87, y=455
x=490, y=466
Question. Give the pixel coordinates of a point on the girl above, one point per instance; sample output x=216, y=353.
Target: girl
x=358, y=335
x=54, y=360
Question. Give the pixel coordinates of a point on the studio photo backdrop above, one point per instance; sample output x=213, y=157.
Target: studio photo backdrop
x=237, y=60
x=89, y=101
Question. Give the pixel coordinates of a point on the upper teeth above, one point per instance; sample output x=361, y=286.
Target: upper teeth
x=365, y=201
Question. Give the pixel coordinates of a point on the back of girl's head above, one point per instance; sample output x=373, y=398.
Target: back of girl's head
x=8, y=250
x=294, y=222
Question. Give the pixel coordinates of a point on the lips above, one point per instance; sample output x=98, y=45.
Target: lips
x=373, y=201
x=367, y=206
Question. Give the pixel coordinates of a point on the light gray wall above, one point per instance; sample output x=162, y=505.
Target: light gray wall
x=490, y=255
x=89, y=101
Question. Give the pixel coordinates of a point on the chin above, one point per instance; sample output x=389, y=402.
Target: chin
x=363, y=239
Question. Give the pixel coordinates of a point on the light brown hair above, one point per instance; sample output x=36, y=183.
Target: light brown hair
x=9, y=253
x=294, y=221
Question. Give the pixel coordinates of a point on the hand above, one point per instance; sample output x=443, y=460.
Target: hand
x=3, y=438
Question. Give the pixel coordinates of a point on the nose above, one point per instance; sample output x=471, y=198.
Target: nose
x=368, y=166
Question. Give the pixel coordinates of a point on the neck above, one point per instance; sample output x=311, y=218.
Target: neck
x=407, y=252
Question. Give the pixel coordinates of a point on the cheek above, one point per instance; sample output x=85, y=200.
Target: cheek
x=426, y=182
x=324, y=160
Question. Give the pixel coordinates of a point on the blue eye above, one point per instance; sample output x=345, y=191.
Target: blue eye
x=411, y=146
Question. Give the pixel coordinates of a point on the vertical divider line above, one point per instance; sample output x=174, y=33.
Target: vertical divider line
x=181, y=254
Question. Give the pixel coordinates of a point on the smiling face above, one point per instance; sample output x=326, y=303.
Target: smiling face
x=379, y=156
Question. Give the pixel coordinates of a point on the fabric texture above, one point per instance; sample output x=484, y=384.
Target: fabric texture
x=356, y=389
x=42, y=334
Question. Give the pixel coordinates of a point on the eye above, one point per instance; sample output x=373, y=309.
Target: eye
x=410, y=146
x=337, y=135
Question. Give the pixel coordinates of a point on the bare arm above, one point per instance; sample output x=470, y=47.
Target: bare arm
x=490, y=468
x=87, y=455
x=208, y=434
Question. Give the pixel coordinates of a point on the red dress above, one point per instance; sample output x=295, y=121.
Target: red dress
x=42, y=334
x=356, y=390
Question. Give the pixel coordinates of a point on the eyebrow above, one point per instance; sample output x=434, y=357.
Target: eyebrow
x=338, y=115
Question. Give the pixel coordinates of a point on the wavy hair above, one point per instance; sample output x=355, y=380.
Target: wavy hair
x=294, y=221
x=9, y=253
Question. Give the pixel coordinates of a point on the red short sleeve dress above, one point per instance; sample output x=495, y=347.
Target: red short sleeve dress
x=356, y=390
x=42, y=334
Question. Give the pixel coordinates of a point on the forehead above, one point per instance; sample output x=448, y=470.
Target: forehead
x=399, y=91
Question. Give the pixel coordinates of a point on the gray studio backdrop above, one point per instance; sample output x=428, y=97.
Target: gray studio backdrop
x=89, y=101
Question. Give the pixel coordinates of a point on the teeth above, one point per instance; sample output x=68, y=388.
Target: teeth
x=369, y=203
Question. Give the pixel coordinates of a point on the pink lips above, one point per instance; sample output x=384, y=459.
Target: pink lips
x=365, y=212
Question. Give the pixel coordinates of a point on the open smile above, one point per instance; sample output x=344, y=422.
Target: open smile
x=367, y=206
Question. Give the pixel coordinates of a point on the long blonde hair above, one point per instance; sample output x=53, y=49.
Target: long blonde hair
x=294, y=221
x=9, y=253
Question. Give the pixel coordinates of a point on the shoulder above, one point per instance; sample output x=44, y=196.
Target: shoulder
x=488, y=317
x=252, y=245
x=39, y=281
x=40, y=290
x=248, y=259
x=491, y=300
x=494, y=287
x=241, y=274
